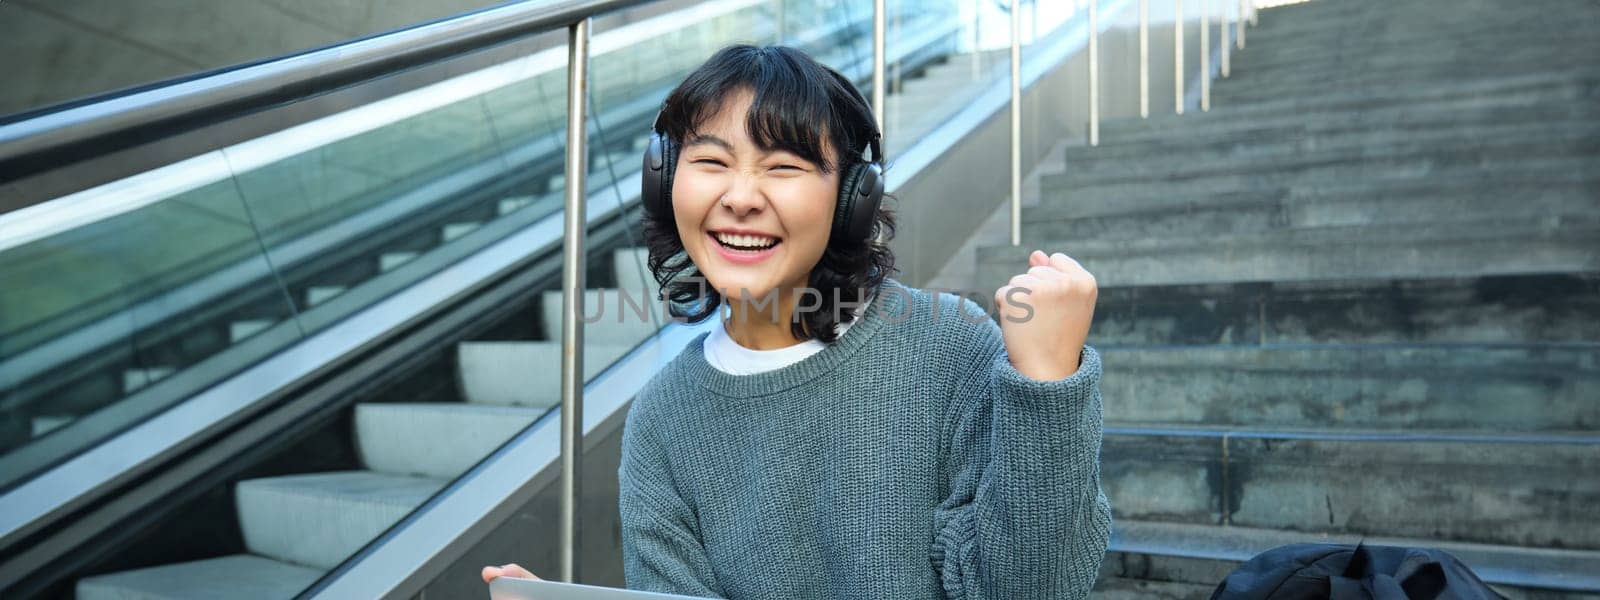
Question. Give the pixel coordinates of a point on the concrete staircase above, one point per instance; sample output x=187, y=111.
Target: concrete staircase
x=1354, y=300
x=297, y=527
x=922, y=104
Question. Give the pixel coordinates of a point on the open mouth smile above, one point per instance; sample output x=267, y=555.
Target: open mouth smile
x=743, y=248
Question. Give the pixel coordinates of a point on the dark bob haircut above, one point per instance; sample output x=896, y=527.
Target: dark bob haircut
x=799, y=106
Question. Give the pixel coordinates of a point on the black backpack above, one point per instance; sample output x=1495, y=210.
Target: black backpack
x=1343, y=572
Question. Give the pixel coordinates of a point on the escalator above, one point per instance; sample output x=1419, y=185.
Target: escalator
x=230, y=374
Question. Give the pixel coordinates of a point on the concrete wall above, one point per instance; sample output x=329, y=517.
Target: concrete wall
x=945, y=203
x=60, y=50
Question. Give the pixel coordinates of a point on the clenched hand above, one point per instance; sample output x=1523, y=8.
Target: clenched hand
x=1045, y=314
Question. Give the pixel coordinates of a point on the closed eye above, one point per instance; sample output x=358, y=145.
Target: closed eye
x=708, y=161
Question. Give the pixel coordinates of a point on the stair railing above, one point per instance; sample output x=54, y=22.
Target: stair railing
x=1246, y=13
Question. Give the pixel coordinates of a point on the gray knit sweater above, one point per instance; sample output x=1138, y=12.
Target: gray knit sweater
x=909, y=459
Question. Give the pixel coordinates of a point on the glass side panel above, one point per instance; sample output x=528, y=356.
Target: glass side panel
x=124, y=299
x=62, y=51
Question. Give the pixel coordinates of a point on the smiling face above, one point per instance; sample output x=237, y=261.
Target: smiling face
x=752, y=220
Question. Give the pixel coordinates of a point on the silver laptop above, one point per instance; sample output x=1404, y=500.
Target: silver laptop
x=512, y=588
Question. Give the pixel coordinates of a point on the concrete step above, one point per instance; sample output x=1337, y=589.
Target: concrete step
x=1280, y=211
x=1358, y=30
x=614, y=316
x=945, y=78
x=1125, y=588
x=1440, y=179
x=238, y=576
x=928, y=102
x=1378, y=168
x=1485, y=388
x=1494, y=247
x=440, y=440
x=1384, y=41
x=1330, y=54
x=956, y=81
x=910, y=121
x=1397, y=19
x=1517, y=309
x=1247, y=95
x=1562, y=176
x=1246, y=137
x=1187, y=156
x=1536, y=88
x=1204, y=555
x=1356, y=155
x=320, y=519
x=1309, y=80
x=1531, y=490
x=524, y=374
x=1392, y=31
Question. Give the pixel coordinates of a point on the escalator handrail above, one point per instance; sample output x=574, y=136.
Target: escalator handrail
x=52, y=139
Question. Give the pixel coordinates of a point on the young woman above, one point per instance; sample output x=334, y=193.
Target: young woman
x=842, y=435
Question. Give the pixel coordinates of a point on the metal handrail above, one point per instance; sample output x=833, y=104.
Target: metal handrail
x=50, y=140
x=1246, y=16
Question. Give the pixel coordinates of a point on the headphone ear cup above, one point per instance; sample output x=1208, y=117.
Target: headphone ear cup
x=660, y=160
x=860, y=193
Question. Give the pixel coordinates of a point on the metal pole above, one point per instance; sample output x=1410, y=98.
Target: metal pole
x=1177, y=56
x=977, y=39
x=1144, y=59
x=1033, y=11
x=879, y=86
x=1241, y=23
x=572, y=297
x=1254, y=13
x=1016, y=123
x=1205, y=59
x=1224, y=32
x=1094, y=74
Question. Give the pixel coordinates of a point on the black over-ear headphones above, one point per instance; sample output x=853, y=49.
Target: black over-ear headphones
x=860, y=185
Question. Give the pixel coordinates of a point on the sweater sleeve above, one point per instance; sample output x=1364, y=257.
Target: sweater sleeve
x=661, y=547
x=1026, y=517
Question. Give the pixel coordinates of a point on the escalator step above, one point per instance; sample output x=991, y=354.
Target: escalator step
x=434, y=440
x=453, y=231
x=134, y=380
x=322, y=293
x=239, y=330
x=239, y=576
x=509, y=205
x=44, y=424
x=524, y=373
x=321, y=519
x=632, y=269
x=616, y=320
x=390, y=260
